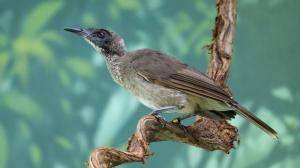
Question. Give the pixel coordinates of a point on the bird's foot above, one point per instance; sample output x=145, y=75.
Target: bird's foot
x=163, y=109
x=177, y=121
x=156, y=113
x=160, y=119
x=183, y=117
x=157, y=116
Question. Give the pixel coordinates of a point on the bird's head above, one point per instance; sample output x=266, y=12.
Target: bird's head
x=103, y=40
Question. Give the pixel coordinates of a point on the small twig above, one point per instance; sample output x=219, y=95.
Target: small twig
x=204, y=133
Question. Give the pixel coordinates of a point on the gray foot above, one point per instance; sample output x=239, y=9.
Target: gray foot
x=185, y=116
x=157, y=112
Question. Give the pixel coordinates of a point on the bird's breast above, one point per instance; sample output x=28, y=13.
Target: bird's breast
x=155, y=96
x=119, y=72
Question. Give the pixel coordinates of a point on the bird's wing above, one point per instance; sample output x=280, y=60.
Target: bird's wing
x=159, y=68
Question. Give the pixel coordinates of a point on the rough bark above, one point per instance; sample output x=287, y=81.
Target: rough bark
x=222, y=45
x=204, y=133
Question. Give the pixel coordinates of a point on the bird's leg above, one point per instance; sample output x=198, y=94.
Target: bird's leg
x=183, y=117
x=178, y=120
x=157, y=112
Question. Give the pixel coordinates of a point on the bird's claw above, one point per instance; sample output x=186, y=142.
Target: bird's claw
x=160, y=118
x=177, y=121
x=157, y=116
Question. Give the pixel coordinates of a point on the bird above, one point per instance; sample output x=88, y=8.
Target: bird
x=163, y=83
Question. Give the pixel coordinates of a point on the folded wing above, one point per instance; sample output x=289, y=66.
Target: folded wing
x=164, y=70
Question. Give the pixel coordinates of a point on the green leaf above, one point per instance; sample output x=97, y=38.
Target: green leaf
x=4, y=58
x=20, y=69
x=64, y=142
x=128, y=4
x=89, y=20
x=52, y=36
x=3, y=40
x=26, y=46
x=43, y=52
x=80, y=67
x=23, y=129
x=23, y=105
x=4, y=147
x=114, y=11
x=36, y=155
x=66, y=106
x=64, y=78
x=38, y=18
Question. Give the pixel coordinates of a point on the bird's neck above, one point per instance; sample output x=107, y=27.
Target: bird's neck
x=115, y=51
x=116, y=67
x=117, y=47
x=114, y=56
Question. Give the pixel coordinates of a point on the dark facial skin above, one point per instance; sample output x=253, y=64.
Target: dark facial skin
x=101, y=38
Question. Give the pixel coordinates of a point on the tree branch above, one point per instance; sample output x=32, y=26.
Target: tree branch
x=222, y=46
x=204, y=133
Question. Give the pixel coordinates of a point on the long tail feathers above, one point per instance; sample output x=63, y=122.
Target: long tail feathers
x=255, y=120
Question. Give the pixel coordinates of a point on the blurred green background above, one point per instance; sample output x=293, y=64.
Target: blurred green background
x=58, y=102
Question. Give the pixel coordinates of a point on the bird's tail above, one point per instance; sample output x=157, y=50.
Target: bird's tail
x=255, y=120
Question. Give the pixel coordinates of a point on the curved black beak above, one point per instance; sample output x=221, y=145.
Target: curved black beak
x=79, y=31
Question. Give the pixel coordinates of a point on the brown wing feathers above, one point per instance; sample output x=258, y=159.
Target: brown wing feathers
x=189, y=85
x=161, y=69
x=200, y=87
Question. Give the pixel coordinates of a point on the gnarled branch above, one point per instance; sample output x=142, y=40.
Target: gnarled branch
x=204, y=133
x=222, y=46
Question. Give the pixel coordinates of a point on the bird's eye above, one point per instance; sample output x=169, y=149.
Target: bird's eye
x=100, y=34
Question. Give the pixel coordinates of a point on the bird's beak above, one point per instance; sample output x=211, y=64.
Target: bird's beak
x=79, y=31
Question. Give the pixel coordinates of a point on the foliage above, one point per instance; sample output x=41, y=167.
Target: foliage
x=57, y=101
